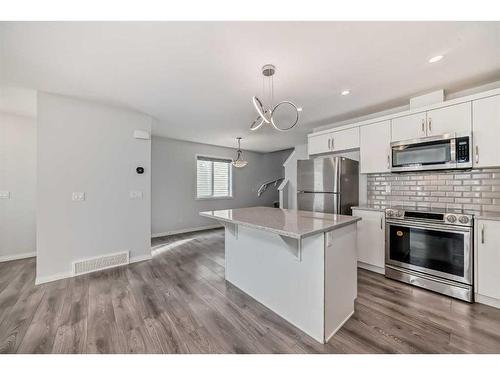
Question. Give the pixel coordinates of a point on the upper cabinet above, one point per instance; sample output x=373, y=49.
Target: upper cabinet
x=333, y=141
x=486, y=136
x=409, y=127
x=452, y=119
x=374, y=147
x=478, y=114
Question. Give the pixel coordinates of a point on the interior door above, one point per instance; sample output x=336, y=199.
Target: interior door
x=319, y=202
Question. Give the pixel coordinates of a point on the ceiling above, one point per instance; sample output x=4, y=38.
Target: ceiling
x=197, y=78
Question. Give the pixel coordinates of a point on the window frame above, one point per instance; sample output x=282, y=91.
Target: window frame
x=230, y=179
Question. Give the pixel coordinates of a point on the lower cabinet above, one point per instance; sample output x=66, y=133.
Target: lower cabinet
x=488, y=262
x=371, y=239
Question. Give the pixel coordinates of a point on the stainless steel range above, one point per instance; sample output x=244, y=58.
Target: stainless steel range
x=431, y=249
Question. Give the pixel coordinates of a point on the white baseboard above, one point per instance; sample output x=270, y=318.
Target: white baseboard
x=339, y=327
x=55, y=277
x=140, y=258
x=7, y=258
x=186, y=230
x=372, y=268
x=490, y=301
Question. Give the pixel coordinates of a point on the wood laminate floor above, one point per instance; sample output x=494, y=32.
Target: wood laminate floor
x=179, y=303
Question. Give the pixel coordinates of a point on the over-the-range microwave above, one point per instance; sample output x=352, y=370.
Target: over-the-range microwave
x=447, y=151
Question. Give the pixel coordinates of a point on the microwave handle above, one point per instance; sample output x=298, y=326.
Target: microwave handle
x=453, y=149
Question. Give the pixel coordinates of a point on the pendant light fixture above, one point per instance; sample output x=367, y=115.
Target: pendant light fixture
x=239, y=162
x=268, y=116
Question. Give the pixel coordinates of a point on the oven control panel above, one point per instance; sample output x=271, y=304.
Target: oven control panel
x=462, y=149
x=452, y=218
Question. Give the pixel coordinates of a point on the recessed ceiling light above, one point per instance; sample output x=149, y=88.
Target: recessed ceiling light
x=435, y=59
x=345, y=92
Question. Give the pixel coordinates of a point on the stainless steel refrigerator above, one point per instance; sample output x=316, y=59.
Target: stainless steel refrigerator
x=327, y=185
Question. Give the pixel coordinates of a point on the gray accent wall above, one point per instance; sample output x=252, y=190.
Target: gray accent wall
x=175, y=207
x=470, y=190
x=89, y=147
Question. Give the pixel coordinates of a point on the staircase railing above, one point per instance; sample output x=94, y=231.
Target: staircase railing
x=265, y=185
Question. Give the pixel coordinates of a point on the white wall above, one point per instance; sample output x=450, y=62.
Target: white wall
x=89, y=147
x=18, y=177
x=174, y=204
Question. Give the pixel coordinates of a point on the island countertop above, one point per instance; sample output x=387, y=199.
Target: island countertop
x=289, y=223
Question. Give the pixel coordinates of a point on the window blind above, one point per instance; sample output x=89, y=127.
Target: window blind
x=213, y=177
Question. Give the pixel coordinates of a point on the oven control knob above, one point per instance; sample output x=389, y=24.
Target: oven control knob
x=399, y=213
x=451, y=218
x=390, y=213
x=463, y=219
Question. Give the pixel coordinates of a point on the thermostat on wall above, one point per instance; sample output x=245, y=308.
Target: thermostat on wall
x=141, y=134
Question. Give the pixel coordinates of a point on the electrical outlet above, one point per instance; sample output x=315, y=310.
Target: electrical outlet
x=135, y=194
x=78, y=196
x=4, y=194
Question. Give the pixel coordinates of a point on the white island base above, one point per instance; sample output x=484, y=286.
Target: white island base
x=311, y=282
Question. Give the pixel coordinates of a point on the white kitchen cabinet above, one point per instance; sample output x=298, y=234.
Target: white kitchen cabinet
x=453, y=119
x=333, y=141
x=409, y=127
x=371, y=239
x=486, y=132
x=488, y=261
x=374, y=147
x=318, y=144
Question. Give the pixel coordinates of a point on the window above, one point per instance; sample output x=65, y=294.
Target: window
x=213, y=177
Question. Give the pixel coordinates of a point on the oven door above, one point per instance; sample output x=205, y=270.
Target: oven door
x=424, y=154
x=434, y=249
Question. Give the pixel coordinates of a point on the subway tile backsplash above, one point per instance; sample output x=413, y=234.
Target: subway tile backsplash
x=470, y=190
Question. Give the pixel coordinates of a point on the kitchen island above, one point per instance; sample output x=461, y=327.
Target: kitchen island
x=300, y=264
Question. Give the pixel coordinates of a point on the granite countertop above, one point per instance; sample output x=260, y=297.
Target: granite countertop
x=288, y=223
x=487, y=215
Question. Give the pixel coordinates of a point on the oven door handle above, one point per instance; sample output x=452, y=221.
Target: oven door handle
x=453, y=150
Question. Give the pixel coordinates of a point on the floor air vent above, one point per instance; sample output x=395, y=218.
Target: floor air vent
x=100, y=263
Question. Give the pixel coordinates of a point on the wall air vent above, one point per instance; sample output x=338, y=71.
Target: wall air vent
x=100, y=263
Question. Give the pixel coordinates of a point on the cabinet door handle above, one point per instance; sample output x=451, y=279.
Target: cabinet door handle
x=477, y=154
x=329, y=142
x=388, y=162
x=430, y=125
x=482, y=233
x=423, y=126
x=333, y=143
x=381, y=222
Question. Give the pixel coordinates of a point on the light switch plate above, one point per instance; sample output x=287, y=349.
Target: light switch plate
x=4, y=194
x=78, y=196
x=135, y=194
